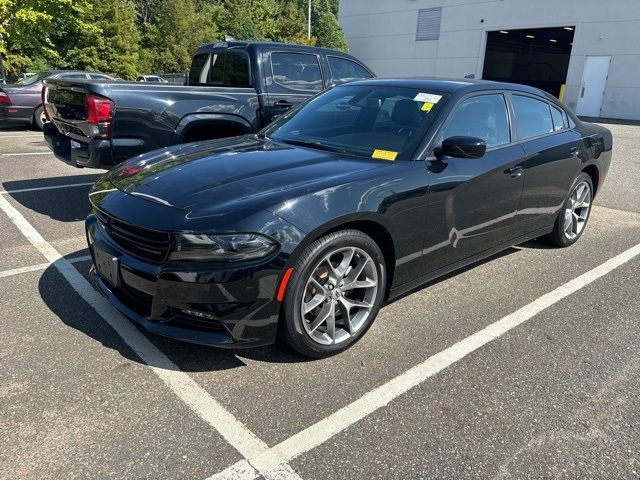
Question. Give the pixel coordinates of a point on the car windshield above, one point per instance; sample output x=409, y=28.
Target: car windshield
x=31, y=79
x=365, y=120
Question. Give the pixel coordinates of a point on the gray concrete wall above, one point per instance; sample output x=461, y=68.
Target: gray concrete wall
x=382, y=33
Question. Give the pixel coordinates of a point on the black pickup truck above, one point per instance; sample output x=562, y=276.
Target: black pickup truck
x=234, y=88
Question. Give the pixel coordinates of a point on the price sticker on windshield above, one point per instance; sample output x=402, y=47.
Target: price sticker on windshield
x=427, y=98
x=384, y=155
x=426, y=107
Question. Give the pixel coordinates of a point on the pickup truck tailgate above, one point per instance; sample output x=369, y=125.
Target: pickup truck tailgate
x=66, y=108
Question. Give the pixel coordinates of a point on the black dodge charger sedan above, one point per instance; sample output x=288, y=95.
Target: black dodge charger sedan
x=360, y=194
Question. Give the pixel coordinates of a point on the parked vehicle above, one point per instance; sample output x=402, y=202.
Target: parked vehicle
x=150, y=78
x=362, y=194
x=22, y=101
x=234, y=88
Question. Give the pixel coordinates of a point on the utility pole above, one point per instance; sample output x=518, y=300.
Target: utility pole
x=309, y=20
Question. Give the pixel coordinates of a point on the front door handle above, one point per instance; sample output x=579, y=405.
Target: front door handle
x=283, y=104
x=575, y=152
x=515, y=171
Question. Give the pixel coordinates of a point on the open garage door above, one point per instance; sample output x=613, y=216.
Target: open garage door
x=538, y=57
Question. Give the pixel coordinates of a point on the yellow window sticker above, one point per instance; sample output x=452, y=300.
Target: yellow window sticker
x=426, y=107
x=384, y=155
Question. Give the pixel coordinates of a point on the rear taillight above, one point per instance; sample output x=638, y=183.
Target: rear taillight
x=43, y=95
x=99, y=112
x=4, y=98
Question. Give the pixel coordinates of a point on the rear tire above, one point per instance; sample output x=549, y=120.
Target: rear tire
x=38, y=118
x=572, y=219
x=335, y=292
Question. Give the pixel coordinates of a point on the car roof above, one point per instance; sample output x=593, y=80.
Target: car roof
x=451, y=85
x=270, y=45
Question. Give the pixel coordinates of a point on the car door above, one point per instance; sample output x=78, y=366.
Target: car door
x=291, y=78
x=552, y=152
x=473, y=202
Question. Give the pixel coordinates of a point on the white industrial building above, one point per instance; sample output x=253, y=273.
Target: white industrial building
x=585, y=51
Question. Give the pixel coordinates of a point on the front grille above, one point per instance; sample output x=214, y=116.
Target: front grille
x=140, y=242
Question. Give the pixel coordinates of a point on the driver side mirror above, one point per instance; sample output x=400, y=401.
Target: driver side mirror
x=461, y=147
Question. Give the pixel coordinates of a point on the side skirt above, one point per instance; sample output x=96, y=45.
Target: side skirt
x=406, y=287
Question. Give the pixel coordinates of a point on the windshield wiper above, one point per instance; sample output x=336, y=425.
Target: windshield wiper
x=316, y=145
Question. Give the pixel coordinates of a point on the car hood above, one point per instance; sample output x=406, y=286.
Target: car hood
x=212, y=177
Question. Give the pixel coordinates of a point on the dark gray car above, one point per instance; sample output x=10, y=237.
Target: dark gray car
x=21, y=102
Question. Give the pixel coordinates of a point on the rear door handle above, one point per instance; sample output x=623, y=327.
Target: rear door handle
x=283, y=104
x=515, y=171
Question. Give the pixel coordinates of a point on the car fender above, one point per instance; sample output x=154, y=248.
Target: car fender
x=200, y=119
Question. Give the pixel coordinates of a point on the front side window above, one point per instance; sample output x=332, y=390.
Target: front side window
x=370, y=121
x=482, y=116
x=296, y=71
x=343, y=70
x=534, y=116
x=73, y=75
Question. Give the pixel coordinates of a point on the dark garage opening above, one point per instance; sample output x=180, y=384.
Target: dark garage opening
x=538, y=57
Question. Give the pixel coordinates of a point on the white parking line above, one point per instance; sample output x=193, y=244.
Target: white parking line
x=40, y=266
x=34, y=135
x=24, y=154
x=325, y=429
x=185, y=388
x=52, y=187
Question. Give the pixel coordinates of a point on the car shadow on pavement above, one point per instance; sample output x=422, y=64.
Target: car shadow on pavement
x=68, y=204
x=457, y=272
x=65, y=303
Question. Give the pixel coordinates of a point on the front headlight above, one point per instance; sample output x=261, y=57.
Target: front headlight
x=224, y=248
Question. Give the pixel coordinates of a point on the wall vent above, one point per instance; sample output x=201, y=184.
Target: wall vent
x=429, y=24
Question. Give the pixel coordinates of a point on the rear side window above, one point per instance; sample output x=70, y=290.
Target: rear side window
x=481, y=116
x=343, y=70
x=534, y=116
x=558, y=118
x=296, y=71
x=229, y=69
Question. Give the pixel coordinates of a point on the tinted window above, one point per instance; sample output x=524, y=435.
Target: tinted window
x=229, y=69
x=343, y=70
x=296, y=71
x=534, y=116
x=558, y=118
x=343, y=119
x=198, y=73
x=96, y=76
x=483, y=116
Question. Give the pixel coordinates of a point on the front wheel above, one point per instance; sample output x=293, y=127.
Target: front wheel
x=335, y=292
x=572, y=220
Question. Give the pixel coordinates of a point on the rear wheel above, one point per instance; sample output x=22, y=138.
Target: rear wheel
x=39, y=118
x=573, y=217
x=335, y=292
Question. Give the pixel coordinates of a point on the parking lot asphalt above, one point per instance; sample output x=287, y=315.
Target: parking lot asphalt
x=522, y=366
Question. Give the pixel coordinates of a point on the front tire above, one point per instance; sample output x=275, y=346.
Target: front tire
x=572, y=219
x=334, y=294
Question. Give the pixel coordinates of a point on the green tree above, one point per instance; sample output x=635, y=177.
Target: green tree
x=179, y=27
x=114, y=47
x=29, y=29
x=325, y=26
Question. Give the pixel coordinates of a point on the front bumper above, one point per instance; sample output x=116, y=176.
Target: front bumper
x=190, y=301
x=91, y=153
